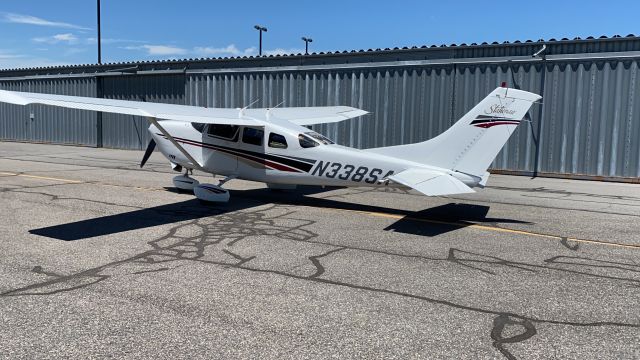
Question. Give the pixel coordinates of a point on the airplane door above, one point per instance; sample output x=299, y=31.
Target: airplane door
x=251, y=149
x=218, y=154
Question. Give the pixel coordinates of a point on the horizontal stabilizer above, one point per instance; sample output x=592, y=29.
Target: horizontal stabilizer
x=430, y=183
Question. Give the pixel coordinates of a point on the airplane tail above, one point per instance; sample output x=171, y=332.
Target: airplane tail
x=472, y=143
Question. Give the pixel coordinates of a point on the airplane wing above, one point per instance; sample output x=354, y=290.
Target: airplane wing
x=139, y=108
x=251, y=117
x=430, y=183
x=308, y=115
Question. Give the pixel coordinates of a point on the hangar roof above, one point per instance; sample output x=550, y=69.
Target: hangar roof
x=602, y=44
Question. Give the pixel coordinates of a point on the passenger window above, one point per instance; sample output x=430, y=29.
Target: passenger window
x=252, y=136
x=307, y=142
x=225, y=132
x=198, y=126
x=277, y=141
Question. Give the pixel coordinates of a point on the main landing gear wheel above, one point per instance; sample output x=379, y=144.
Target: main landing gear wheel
x=213, y=193
x=184, y=182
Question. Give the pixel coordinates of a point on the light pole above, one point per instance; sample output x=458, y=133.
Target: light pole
x=260, y=29
x=99, y=36
x=306, y=40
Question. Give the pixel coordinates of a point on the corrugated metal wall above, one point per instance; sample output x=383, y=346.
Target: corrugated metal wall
x=130, y=132
x=49, y=124
x=589, y=122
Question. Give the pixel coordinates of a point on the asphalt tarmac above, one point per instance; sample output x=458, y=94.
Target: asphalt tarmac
x=101, y=259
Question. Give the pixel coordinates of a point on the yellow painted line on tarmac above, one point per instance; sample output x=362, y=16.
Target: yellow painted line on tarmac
x=41, y=177
x=69, y=181
x=375, y=214
x=490, y=228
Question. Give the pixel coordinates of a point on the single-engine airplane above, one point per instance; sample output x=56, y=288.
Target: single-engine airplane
x=274, y=146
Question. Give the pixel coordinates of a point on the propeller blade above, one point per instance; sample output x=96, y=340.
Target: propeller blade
x=147, y=153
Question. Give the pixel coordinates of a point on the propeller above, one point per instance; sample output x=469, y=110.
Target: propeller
x=147, y=153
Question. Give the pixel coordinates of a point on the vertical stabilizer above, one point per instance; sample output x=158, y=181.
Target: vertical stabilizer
x=471, y=144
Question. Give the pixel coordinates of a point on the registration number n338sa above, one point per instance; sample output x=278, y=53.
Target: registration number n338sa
x=348, y=172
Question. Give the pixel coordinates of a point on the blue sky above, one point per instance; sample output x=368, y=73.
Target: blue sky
x=47, y=32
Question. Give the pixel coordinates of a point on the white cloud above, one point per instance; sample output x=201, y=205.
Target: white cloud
x=159, y=50
x=7, y=55
x=92, y=40
x=18, y=61
x=32, y=20
x=68, y=38
x=230, y=50
x=281, y=51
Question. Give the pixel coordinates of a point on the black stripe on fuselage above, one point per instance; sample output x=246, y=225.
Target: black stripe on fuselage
x=296, y=163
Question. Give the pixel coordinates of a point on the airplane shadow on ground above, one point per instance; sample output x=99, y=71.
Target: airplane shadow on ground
x=444, y=218
x=429, y=222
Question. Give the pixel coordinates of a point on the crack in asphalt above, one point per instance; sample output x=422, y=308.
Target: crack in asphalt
x=565, y=242
x=54, y=197
x=316, y=262
x=504, y=320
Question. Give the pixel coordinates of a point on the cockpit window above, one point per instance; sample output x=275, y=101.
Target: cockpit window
x=198, y=126
x=225, y=132
x=307, y=142
x=321, y=138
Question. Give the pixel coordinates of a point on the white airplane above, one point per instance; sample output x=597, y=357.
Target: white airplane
x=274, y=146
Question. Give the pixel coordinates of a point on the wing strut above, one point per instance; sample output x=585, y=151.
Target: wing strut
x=184, y=152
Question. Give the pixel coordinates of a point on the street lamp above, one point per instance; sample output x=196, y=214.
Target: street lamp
x=306, y=44
x=260, y=29
x=99, y=36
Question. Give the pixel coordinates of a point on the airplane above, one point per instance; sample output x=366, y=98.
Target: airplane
x=275, y=145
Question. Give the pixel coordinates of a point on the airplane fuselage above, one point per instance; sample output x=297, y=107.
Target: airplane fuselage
x=277, y=155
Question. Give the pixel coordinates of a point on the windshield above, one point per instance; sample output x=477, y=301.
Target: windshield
x=307, y=141
x=321, y=138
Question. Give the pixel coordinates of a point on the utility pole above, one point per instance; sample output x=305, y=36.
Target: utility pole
x=306, y=40
x=260, y=29
x=99, y=85
x=99, y=36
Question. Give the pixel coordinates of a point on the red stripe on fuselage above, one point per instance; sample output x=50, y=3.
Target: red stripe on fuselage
x=271, y=164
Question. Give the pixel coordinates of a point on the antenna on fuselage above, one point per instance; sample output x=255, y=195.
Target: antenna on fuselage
x=241, y=112
x=269, y=109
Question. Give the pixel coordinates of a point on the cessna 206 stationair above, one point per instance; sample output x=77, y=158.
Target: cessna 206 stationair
x=274, y=146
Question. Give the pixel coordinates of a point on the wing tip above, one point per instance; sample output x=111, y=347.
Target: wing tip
x=11, y=97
